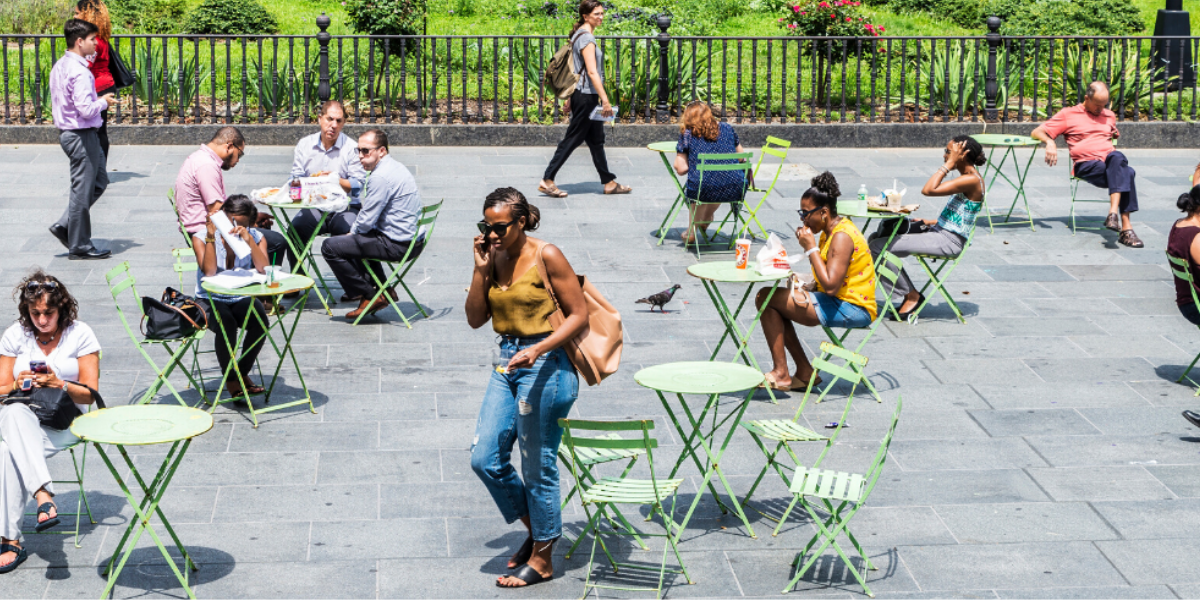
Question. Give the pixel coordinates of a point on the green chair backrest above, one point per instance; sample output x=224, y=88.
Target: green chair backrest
x=185, y=262
x=573, y=441
x=1181, y=269
x=777, y=148
x=881, y=456
x=120, y=279
x=705, y=166
x=187, y=237
x=425, y=225
x=822, y=365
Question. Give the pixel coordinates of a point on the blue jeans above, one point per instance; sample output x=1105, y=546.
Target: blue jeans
x=525, y=405
x=834, y=312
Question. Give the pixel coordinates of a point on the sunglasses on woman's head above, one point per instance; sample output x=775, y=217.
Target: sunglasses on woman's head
x=500, y=229
x=35, y=288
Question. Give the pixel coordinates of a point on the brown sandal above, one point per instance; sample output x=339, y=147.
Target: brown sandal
x=552, y=191
x=618, y=189
x=1129, y=238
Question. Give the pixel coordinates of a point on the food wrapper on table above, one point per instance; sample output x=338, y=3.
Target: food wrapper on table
x=322, y=193
x=773, y=259
x=899, y=210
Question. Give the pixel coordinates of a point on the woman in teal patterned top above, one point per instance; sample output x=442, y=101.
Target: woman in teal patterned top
x=947, y=235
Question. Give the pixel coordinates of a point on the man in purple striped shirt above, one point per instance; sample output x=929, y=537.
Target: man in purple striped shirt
x=76, y=112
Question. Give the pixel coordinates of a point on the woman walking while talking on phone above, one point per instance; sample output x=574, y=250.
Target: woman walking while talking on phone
x=589, y=93
x=528, y=394
x=47, y=348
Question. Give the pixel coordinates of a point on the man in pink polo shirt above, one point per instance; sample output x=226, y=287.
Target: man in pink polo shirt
x=200, y=187
x=1090, y=130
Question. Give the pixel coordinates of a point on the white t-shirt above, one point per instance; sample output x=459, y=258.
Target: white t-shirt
x=78, y=340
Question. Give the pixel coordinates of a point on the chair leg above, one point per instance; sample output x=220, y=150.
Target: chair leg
x=1188, y=369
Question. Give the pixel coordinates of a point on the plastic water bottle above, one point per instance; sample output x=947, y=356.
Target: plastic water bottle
x=862, y=194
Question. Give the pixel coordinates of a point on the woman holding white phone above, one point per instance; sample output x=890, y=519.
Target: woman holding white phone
x=214, y=255
x=844, y=284
x=47, y=348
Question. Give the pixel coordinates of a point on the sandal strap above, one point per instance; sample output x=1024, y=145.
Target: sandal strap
x=11, y=548
x=45, y=508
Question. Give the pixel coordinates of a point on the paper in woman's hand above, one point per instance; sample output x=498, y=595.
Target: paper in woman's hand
x=225, y=226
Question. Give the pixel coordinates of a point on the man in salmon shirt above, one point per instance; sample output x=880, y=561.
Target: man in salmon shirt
x=1090, y=130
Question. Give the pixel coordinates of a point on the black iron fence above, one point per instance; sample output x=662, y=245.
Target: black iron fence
x=497, y=79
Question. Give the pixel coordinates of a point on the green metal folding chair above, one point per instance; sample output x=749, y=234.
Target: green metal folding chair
x=938, y=277
x=185, y=262
x=1181, y=269
x=851, y=491
x=887, y=272
x=119, y=279
x=588, y=459
x=187, y=237
x=1098, y=222
x=603, y=494
x=82, y=507
x=777, y=148
x=708, y=164
x=784, y=432
x=399, y=269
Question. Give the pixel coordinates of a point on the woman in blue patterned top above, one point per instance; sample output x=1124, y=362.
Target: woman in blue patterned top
x=701, y=133
x=948, y=234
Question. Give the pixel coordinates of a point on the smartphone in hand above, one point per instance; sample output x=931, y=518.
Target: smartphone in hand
x=39, y=367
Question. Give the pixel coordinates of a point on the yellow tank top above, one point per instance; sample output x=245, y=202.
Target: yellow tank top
x=859, y=287
x=523, y=309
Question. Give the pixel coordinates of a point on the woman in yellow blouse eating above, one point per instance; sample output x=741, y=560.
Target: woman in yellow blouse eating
x=844, y=276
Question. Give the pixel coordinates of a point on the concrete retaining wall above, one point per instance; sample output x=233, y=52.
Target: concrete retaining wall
x=833, y=135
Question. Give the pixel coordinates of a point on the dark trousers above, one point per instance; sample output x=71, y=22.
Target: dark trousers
x=88, y=182
x=1115, y=174
x=277, y=247
x=582, y=129
x=103, y=132
x=344, y=253
x=304, y=227
x=233, y=314
x=1190, y=313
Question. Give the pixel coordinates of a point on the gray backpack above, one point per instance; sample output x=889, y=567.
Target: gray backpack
x=561, y=75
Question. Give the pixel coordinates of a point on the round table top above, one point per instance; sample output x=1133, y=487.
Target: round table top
x=725, y=271
x=141, y=424
x=662, y=146
x=700, y=377
x=1000, y=139
x=287, y=285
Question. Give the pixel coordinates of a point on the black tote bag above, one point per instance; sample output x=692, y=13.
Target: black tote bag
x=122, y=76
x=52, y=406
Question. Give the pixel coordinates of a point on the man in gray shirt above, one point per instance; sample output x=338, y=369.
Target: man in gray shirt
x=385, y=226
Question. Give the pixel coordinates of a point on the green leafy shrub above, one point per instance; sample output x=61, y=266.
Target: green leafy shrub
x=823, y=18
x=34, y=16
x=385, y=17
x=966, y=13
x=1067, y=17
x=147, y=16
x=230, y=17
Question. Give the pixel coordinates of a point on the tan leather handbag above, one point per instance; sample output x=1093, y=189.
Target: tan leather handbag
x=596, y=351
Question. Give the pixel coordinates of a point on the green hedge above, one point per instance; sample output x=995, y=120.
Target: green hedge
x=230, y=17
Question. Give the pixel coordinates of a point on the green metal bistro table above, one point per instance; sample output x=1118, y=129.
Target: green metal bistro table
x=289, y=284
x=712, y=380
x=662, y=148
x=302, y=249
x=872, y=214
x=143, y=425
x=712, y=273
x=1010, y=143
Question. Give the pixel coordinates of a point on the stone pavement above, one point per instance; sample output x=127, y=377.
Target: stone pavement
x=1040, y=453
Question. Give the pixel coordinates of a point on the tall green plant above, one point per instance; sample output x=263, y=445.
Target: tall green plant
x=282, y=90
x=953, y=81
x=1129, y=80
x=633, y=85
x=34, y=16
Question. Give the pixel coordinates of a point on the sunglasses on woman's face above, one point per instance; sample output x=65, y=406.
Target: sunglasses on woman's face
x=500, y=229
x=804, y=214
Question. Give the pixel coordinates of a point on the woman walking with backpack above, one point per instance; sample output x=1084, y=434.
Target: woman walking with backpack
x=589, y=93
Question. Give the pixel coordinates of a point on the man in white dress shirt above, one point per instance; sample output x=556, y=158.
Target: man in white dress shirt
x=328, y=151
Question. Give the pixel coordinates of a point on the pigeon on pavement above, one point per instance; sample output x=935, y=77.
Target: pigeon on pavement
x=660, y=298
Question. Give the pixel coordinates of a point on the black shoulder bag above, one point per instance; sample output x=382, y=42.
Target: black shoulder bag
x=53, y=406
x=174, y=317
x=122, y=76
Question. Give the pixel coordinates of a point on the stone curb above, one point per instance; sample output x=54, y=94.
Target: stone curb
x=832, y=135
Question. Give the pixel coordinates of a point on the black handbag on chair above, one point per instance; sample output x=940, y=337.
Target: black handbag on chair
x=122, y=76
x=53, y=406
x=174, y=317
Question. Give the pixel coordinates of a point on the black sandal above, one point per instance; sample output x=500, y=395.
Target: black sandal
x=22, y=554
x=905, y=315
x=522, y=555
x=44, y=508
x=527, y=574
